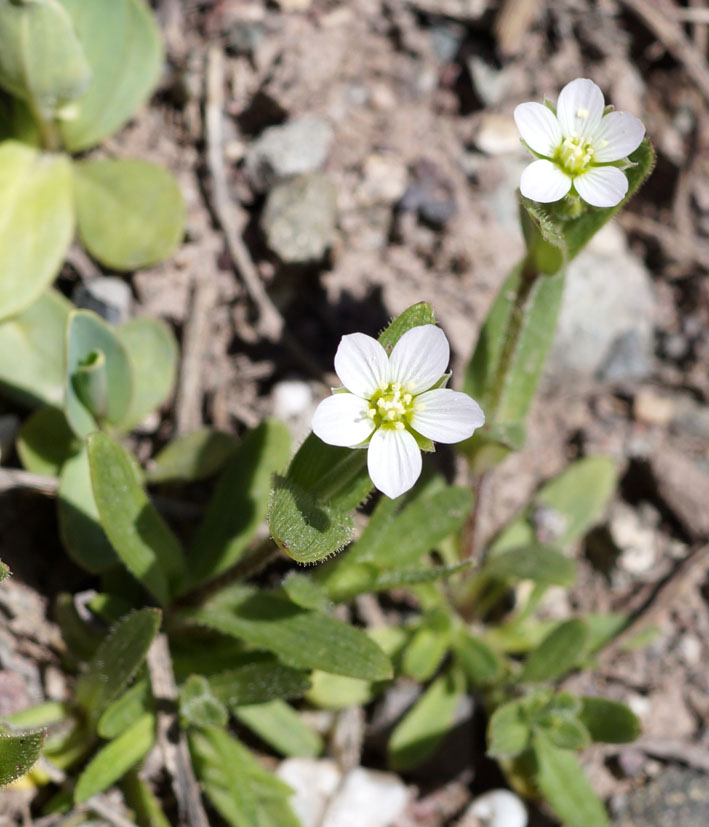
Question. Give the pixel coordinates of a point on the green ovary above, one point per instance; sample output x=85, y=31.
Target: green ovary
x=392, y=406
x=574, y=156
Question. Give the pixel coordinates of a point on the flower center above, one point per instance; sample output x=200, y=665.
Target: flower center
x=574, y=155
x=391, y=406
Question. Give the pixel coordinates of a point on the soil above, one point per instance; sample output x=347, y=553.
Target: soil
x=425, y=160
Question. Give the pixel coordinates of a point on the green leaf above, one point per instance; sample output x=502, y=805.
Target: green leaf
x=88, y=336
x=300, y=638
x=116, y=661
x=125, y=710
x=45, y=441
x=559, y=652
x=139, y=535
x=79, y=523
x=427, y=723
x=416, y=529
x=152, y=353
x=41, y=715
x=542, y=564
x=564, y=785
x=122, y=45
x=192, y=457
x=427, y=648
x=279, y=725
x=32, y=352
x=41, y=60
x=199, y=706
x=144, y=803
x=4, y=571
x=260, y=681
x=567, y=732
x=36, y=223
x=308, y=517
x=239, y=503
x=537, y=301
x=305, y=592
x=129, y=213
x=508, y=731
x=478, y=660
x=609, y=721
x=243, y=792
x=572, y=502
x=18, y=752
x=80, y=637
x=116, y=758
x=330, y=691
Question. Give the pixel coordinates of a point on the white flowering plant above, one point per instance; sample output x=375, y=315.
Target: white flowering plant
x=203, y=624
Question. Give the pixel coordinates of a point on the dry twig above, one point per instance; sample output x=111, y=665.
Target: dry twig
x=171, y=738
x=669, y=33
x=270, y=323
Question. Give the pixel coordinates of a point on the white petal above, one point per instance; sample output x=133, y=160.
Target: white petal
x=393, y=461
x=362, y=364
x=602, y=186
x=619, y=134
x=579, y=108
x=446, y=416
x=342, y=419
x=544, y=181
x=538, y=127
x=420, y=358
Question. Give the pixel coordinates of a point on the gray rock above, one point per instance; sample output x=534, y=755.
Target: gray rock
x=497, y=808
x=299, y=218
x=606, y=320
x=367, y=798
x=299, y=146
x=108, y=296
x=678, y=797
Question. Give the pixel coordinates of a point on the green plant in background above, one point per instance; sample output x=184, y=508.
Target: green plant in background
x=73, y=72
x=245, y=643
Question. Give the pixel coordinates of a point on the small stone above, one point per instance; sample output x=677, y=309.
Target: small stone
x=281, y=152
x=299, y=218
x=497, y=134
x=245, y=36
x=367, y=798
x=313, y=783
x=678, y=797
x=491, y=84
x=636, y=541
x=498, y=808
x=652, y=409
x=384, y=181
x=691, y=417
x=446, y=39
x=293, y=403
x=108, y=296
x=606, y=319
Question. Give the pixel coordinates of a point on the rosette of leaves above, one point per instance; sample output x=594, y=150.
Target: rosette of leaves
x=73, y=72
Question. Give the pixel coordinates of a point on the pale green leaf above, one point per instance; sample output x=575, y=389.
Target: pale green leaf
x=194, y=456
x=609, y=721
x=116, y=758
x=427, y=723
x=36, y=223
x=558, y=653
x=259, y=681
x=129, y=213
x=478, y=660
x=122, y=45
x=198, y=705
x=116, y=661
x=277, y=724
x=563, y=784
x=41, y=59
x=125, y=710
x=542, y=564
x=508, y=731
x=45, y=441
x=152, y=353
x=138, y=534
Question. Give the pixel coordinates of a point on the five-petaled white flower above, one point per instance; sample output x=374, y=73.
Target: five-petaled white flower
x=577, y=147
x=388, y=402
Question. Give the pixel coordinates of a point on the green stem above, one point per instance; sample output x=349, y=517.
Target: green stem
x=49, y=135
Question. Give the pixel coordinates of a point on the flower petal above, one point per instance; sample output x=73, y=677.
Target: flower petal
x=538, y=127
x=342, y=419
x=580, y=108
x=602, y=186
x=362, y=364
x=544, y=181
x=618, y=134
x=446, y=416
x=393, y=461
x=419, y=358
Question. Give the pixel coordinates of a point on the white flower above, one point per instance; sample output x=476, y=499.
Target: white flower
x=578, y=146
x=387, y=402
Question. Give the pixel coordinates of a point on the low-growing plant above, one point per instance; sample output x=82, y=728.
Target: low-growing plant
x=247, y=641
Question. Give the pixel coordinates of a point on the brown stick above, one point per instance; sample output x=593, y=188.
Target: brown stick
x=171, y=738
